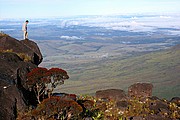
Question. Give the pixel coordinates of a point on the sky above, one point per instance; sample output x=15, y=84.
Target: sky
x=57, y=8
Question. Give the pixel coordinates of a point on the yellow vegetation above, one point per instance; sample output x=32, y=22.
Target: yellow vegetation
x=23, y=56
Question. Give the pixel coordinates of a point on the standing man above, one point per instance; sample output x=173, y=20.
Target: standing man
x=24, y=29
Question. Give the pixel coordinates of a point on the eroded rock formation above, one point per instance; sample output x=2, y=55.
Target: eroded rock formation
x=14, y=95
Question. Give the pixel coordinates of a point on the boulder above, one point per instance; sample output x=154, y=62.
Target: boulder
x=122, y=105
x=112, y=94
x=140, y=90
x=24, y=47
x=159, y=106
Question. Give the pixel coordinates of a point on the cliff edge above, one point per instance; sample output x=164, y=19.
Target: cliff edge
x=17, y=58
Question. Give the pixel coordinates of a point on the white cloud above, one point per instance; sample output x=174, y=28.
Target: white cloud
x=70, y=37
x=165, y=17
x=137, y=24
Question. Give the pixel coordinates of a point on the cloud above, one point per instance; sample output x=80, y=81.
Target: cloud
x=165, y=17
x=137, y=24
x=70, y=37
x=7, y=29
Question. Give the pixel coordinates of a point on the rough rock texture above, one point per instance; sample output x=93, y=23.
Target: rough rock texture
x=115, y=94
x=10, y=101
x=28, y=47
x=122, y=105
x=14, y=95
x=13, y=70
x=176, y=100
x=158, y=106
x=36, y=56
x=140, y=90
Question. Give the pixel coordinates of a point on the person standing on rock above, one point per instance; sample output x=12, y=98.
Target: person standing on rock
x=24, y=29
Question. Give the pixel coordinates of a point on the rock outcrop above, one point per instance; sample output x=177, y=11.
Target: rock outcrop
x=27, y=47
x=115, y=94
x=139, y=104
x=140, y=90
x=14, y=95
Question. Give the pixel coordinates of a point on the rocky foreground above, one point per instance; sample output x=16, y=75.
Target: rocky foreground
x=17, y=58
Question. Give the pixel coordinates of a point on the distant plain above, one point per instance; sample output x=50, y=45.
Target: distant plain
x=101, y=52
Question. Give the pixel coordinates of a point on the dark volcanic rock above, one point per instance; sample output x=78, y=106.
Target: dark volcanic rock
x=115, y=94
x=10, y=101
x=37, y=56
x=27, y=47
x=13, y=70
x=140, y=90
x=12, y=84
x=14, y=95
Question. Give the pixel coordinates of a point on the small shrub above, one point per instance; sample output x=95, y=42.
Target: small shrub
x=42, y=80
x=54, y=108
x=96, y=109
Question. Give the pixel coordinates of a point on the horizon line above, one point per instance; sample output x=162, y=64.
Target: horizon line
x=115, y=14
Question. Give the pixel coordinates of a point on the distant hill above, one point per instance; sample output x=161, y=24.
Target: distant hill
x=160, y=68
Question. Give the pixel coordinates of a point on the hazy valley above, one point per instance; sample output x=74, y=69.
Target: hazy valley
x=101, y=52
x=88, y=74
